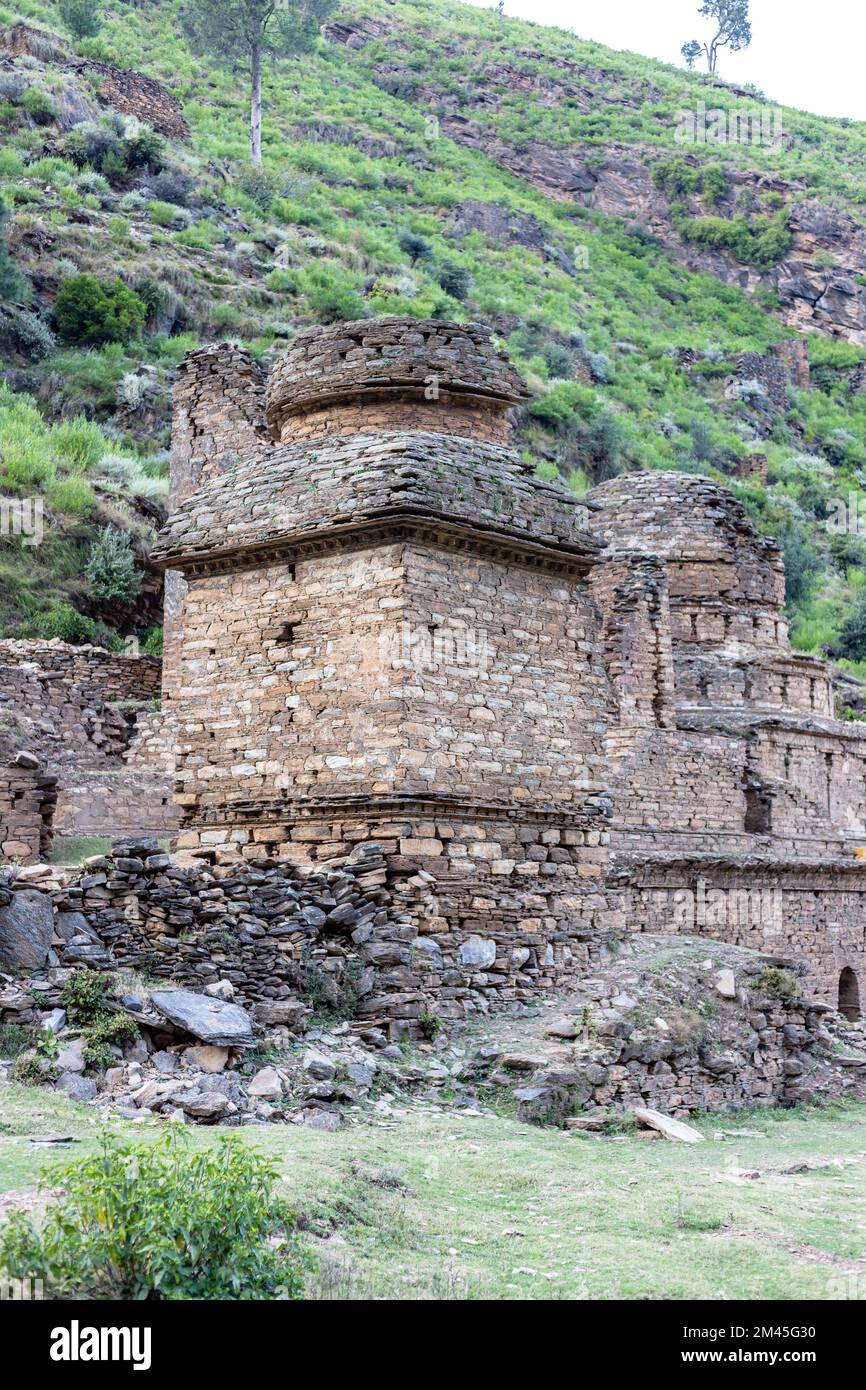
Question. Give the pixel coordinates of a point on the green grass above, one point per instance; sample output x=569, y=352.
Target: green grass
x=439, y=1205
x=74, y=849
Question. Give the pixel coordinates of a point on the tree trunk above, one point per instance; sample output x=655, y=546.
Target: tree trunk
x=256, y=103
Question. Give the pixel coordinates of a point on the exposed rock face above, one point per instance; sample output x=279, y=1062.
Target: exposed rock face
x=26, y=928
x=122, y=89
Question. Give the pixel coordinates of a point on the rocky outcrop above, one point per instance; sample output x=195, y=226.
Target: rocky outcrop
x=121, y=89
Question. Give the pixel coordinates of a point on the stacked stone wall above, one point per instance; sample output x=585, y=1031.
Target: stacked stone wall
x=27, y=799
x=79, y=711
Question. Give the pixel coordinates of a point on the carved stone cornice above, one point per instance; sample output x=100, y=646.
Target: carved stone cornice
x=560, y=558
x=278, y=812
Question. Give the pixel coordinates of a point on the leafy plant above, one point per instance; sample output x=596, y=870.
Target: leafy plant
x=111, y=571
x=88, y=311
x=81, y=17
x=12, y=283
x=162, y=1221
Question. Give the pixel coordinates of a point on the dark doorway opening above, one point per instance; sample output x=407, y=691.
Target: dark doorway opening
x=849, y=995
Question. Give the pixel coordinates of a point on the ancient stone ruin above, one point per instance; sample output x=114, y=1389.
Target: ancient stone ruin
x=80, y=724
x=561, y=720
x=446, y=738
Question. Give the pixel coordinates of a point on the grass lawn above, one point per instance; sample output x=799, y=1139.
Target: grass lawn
x=445, y=1205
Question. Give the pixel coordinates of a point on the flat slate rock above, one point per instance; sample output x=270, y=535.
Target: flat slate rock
x=670, y=1128
x=210, y=1020
x=26, y=931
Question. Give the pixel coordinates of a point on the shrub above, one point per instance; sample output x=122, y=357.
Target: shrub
x=63, y=621
x=162, y=1221
x=86, y=995
x=258, y=185
x=71, y=495
x=39, y=106
x=852, y=635
x=152, y=642
x=600, y=367
x=30, y=333
x=332, y=298
x=171, y=185
x=90, y=312
x=29, y=1069
x=801, y=564
x=143, y=149
x=12, y=283
x=81, y=17
x=777, y=982
x=79, y=441
x=416, y=247
x=111, y=571
x=164, y=214
x=454, y=280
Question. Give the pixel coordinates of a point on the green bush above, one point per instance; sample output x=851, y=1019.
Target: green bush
x=163, y=214
x=454, y=280
x=89, y=312
x=81, y=17
x=852, y=634
x=74, y=496
x=153, y=642
x=416, y=247
x=86, y=995
x=13, y=286
x=63, y=621
x=79, y=441
x=39, y=106
x=110, y=570
x=162, y=1221
x=144, y=149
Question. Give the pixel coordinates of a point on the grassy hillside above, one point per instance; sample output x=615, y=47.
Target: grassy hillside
x=417, y=169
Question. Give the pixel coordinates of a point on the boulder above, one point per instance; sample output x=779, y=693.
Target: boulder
x=26, y=931
x=70, y=1057
x=319, y=1067
x=210, y=1020
x=207, y=1057
x=203, y=1105
x=282, y=1013
x=266, y=1084
x=76, y=1087
x=314, y=1118
x=671, y=1129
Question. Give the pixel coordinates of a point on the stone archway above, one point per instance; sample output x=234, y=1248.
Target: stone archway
x=849, y=995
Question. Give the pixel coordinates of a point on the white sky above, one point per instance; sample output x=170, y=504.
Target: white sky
x=802, y=54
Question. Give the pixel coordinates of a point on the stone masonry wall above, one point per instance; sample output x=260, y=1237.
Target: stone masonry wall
x=101, y=675
x=808, y=912
x=113, y=766
x=401, y=668
x=27, y=800
x=367, y=414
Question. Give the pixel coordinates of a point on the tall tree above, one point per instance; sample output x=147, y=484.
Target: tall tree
x=242, y=33
x=733, y=31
